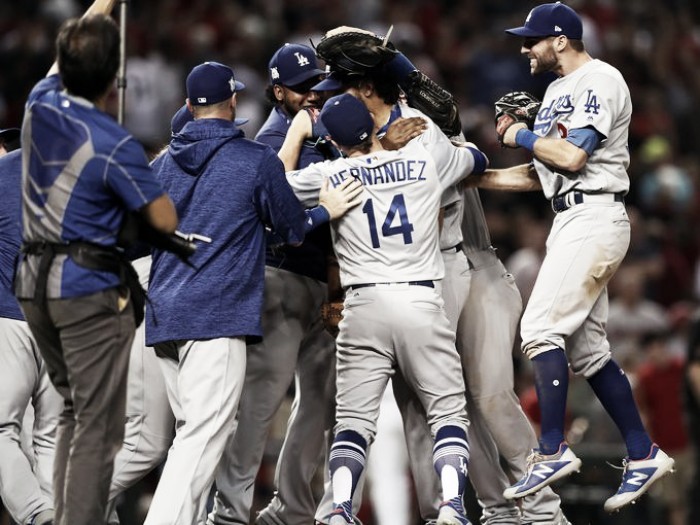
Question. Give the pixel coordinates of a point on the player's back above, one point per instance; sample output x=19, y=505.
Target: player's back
x=392, y=236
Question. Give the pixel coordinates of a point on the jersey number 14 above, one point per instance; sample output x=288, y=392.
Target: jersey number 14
x=398, y=207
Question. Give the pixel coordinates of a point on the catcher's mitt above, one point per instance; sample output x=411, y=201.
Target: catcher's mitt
x=517, y=106
x=331, y=315
x=353, y=50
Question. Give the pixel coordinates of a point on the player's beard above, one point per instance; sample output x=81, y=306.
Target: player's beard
x=293, y=109
x=544, y=62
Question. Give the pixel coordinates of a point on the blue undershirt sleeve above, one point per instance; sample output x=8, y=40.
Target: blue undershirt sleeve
x=587, y=139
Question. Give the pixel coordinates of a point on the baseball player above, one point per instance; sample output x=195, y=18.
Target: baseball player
x=393, y=316
x=25, y=481
x=579, y=143
x=295, y=345
x=475, y=277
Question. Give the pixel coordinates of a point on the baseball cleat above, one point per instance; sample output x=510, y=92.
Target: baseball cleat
x=342, y=514
x=452, y=513
x=638, y=476
x=543, y=470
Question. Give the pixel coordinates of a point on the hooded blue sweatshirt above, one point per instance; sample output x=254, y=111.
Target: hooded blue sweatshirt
x=228, y=188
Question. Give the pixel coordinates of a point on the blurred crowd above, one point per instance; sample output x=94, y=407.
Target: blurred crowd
x=656, y=45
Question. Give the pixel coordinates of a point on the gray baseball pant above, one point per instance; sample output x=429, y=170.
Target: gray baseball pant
x=484, y=305
x=150, y=424
x=294, y=340
x=204, y=380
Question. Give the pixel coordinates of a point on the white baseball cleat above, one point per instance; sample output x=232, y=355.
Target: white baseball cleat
x=638, y=476
x=543, y=470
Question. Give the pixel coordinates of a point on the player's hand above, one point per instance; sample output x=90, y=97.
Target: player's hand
x=507, y=127
x=403, y=130
x=340, y=199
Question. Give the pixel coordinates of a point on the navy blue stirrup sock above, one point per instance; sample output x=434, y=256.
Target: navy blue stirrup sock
x=552, y=384
x=349, y=450
x=613, y=389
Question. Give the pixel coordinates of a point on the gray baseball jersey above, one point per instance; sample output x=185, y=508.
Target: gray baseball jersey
x=558, y=313
x=595, y=95
x=370, y=240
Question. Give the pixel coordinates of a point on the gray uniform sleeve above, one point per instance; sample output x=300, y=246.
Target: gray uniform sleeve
x=452, y=163
x=306, y=183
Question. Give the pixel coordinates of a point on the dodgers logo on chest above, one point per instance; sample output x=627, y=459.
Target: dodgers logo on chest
x=558, y=112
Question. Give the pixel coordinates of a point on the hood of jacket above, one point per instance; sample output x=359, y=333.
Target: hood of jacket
x=199, y=141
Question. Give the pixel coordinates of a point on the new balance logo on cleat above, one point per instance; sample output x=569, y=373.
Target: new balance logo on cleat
x=543, y=470
x=638, y=479
x=638, y=476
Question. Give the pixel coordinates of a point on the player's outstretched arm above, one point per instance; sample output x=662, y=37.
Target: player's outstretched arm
x=300, y=129
x=517, y=178
x=98, y=7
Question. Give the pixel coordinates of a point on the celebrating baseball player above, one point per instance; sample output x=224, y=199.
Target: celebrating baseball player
x=389, y=259
x=579, y=143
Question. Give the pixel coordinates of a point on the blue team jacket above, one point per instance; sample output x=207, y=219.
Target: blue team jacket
x=228, y=188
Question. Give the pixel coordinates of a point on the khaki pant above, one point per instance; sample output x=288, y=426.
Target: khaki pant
x=85, y=344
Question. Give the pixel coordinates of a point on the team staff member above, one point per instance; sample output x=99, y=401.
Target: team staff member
x=227, y=188
x=295, y=345
x=581, y=157
x=25, y=490
x=150, y=424
x=82, y=173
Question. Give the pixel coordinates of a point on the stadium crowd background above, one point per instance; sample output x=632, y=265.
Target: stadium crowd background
x=461, y=45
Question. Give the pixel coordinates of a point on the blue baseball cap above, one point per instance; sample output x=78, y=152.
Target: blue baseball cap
x=347, y=119
x=332, y=82
x=550, y=20
x=293, y=64
x=211, y=82
x=183, y=115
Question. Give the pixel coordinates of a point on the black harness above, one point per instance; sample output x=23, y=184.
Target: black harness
x=92, y=257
